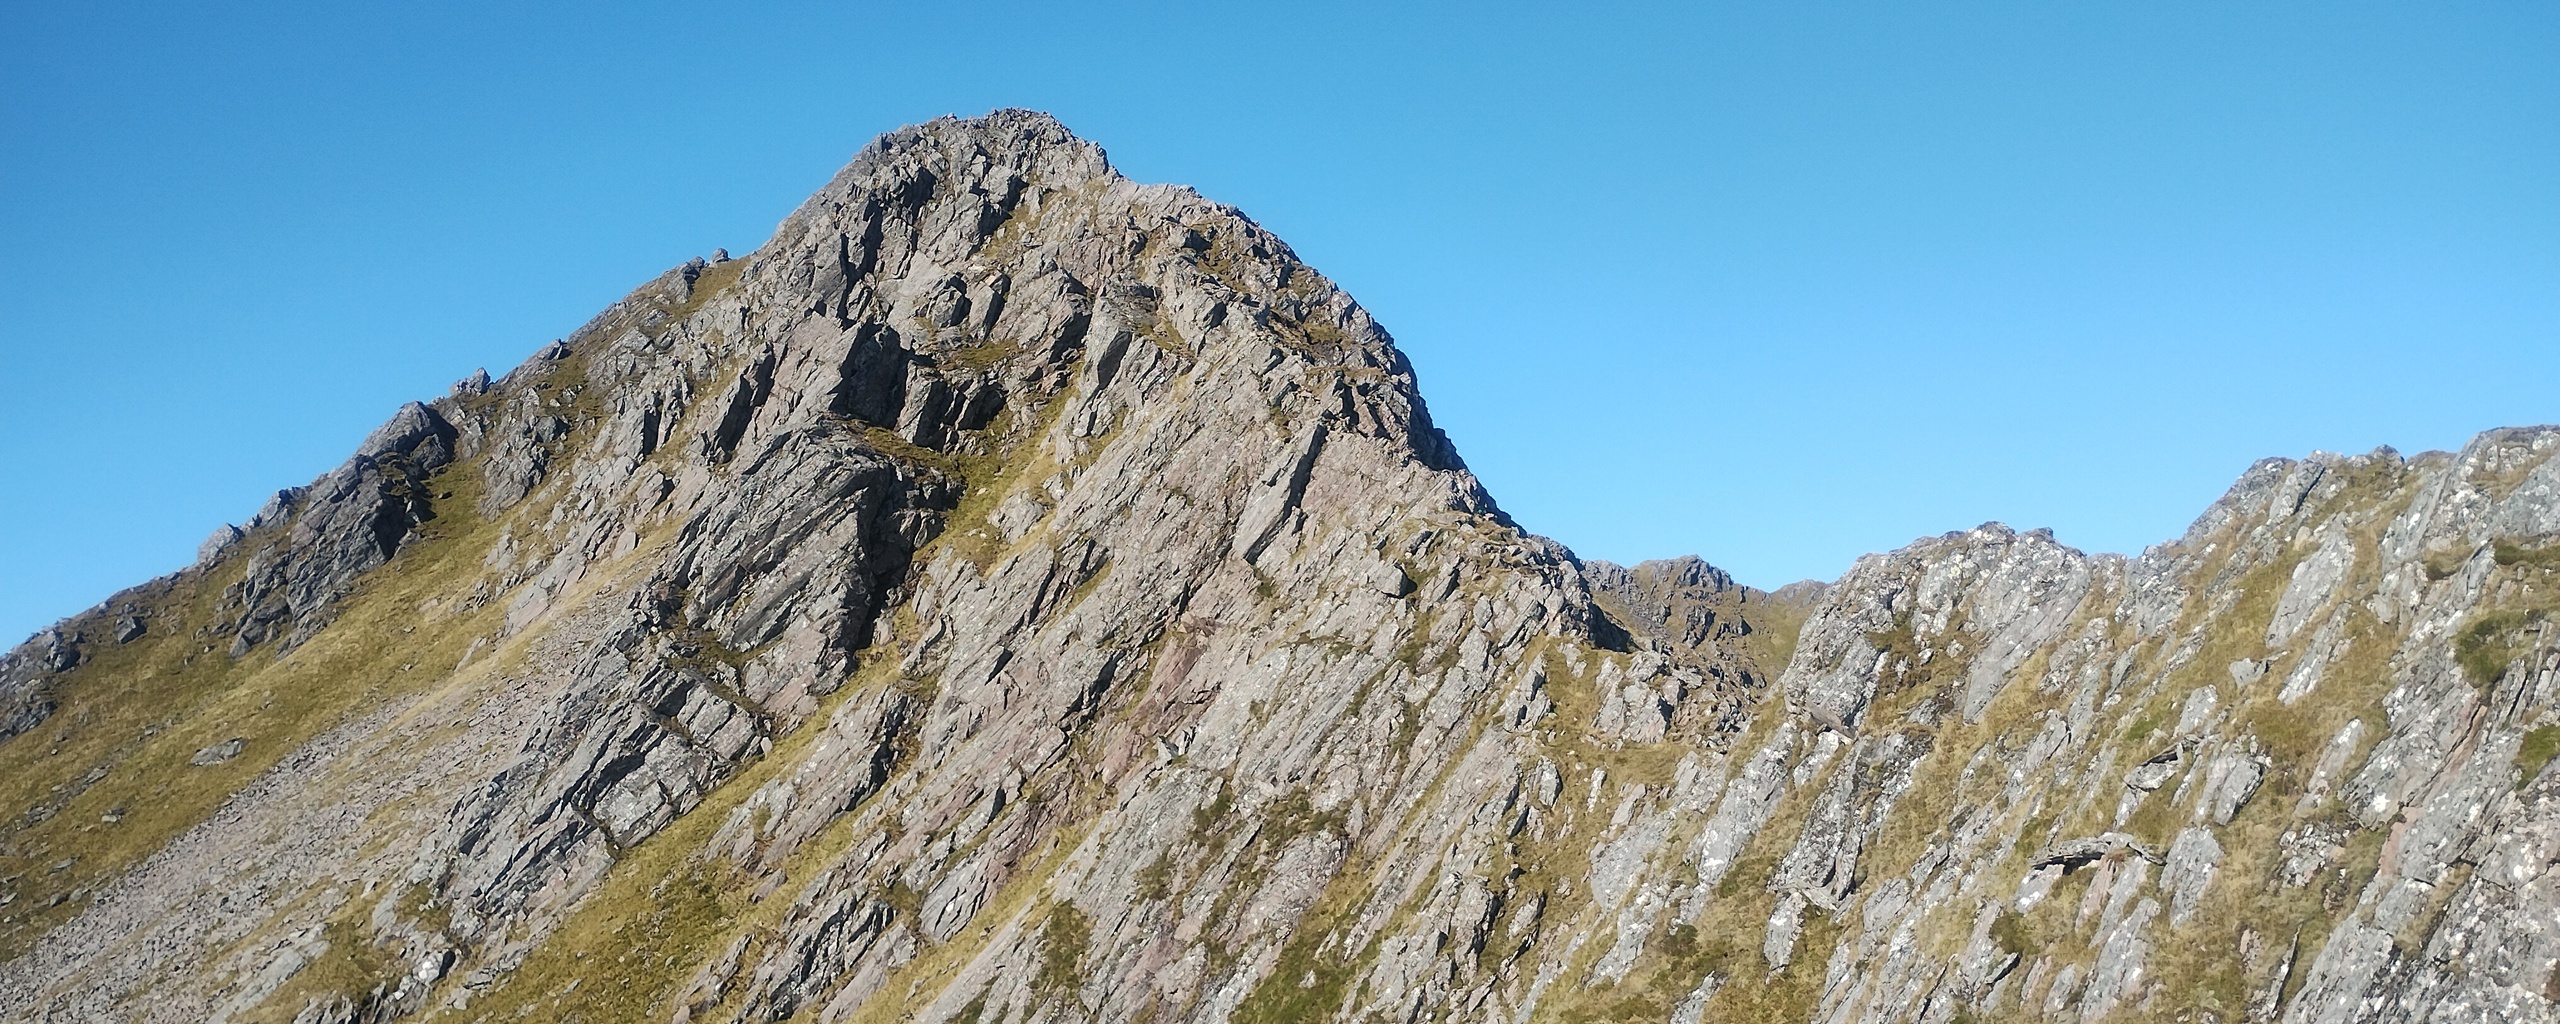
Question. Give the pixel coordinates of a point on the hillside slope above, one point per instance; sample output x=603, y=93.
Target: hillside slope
x=1015, y=593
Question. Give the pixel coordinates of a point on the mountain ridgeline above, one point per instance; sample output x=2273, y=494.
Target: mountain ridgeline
x=1017, y=594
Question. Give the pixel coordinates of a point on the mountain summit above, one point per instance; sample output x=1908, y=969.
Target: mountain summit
x=1014, y=593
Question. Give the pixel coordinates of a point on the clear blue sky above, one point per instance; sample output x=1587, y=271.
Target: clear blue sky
x=1777, y=283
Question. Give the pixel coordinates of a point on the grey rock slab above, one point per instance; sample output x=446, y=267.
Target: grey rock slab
x=2192, y=861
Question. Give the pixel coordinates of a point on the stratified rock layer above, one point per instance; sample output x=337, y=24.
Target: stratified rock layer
x=1014, y=593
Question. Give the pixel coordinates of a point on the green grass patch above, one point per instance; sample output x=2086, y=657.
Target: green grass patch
x=1066, y=934
x=2537, y=750
x=2441, y=565
x=2491, y=644
x=2010, y=932
x=2539, y=556
x=1155, y=881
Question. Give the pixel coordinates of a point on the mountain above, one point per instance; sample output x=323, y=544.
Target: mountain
x=1014, y=593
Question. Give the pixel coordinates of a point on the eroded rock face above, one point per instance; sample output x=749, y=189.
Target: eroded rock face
x=26, y=699
x=1018, y=593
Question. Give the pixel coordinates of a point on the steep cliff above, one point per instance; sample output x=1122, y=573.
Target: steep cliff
x=1016, y=593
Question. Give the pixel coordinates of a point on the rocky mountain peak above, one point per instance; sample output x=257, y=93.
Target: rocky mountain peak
x=1017, y=593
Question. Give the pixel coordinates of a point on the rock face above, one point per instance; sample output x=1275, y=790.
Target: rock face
x=1016, y=593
